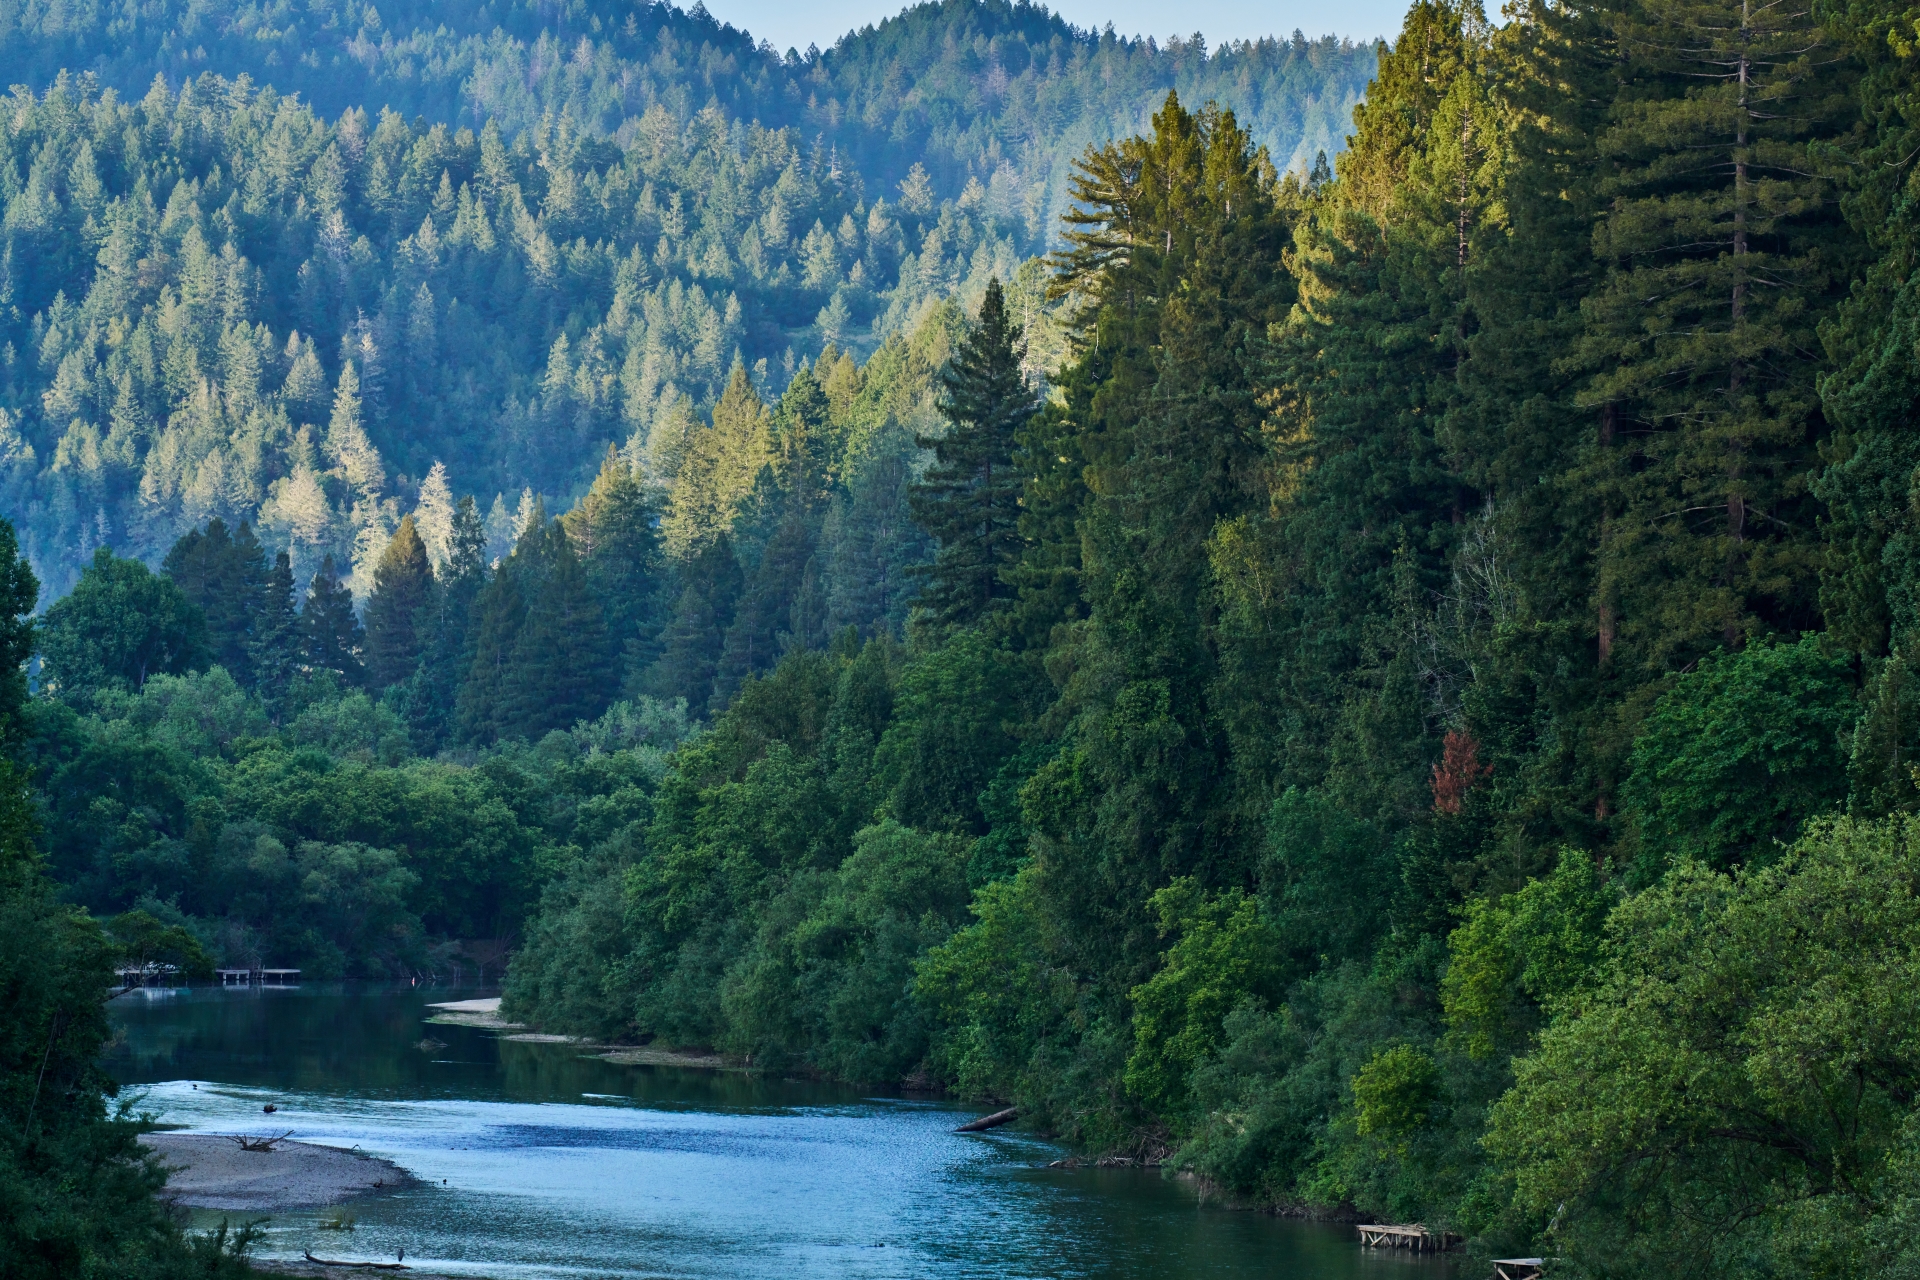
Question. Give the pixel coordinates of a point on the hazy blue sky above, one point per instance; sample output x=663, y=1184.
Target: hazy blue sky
x=790, y=24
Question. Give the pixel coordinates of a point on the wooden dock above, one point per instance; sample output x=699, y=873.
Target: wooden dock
x=150, y=974
x=1378, y=1235
x=258, y=977
x=1518, y=1268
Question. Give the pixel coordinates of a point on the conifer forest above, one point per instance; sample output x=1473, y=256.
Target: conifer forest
x=1342, y=619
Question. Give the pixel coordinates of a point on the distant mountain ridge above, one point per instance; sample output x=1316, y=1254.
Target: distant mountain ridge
x=1005, y=94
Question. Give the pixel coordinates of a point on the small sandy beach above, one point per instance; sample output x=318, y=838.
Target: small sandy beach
x=473, y=1013
x=485, y=1014
x=207, y=1171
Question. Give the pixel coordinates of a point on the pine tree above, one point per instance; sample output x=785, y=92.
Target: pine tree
x=1053, y=463
x=331, y=640
x=275, y=646
x=396, y=611
x=19, y=590
x=614, y=530
x=561, y=668
x=716, y=477
x=433, y=517
x=1722, y=248
x=347, y=444
x=803, y=435
x=969, y=498
x=498, y=617
x=1368, y=502
x=1870, y=572
x=498, y=613
x=1179, y=247
x=223, y=573
x=446, y=637
x=1396, y=121
x=702, y=614
x=1514, y=432
x=875, y=543
x=784, y=583
x=1143, y=208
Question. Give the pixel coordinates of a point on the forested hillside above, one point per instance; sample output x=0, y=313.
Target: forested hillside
x=283, y=290
x=1418, y=720
x=221, y=305
x=1386, y=689
x=998, y=93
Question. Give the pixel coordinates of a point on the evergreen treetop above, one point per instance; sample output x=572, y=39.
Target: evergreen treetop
x=331, y=638
x=223, y=573
x=969, y=497
x=403, y=587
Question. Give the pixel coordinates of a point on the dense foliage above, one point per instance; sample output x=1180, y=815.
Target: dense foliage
x=1398, y=760
x=1387, y=690
x=76, y=1192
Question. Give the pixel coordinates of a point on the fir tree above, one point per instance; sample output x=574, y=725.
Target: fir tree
x=330, y=636
x=702, y=613
x=614, y=530
x=969, y=498
x=275, y=647
x=785, y=582
x=222, y=573
x=875, y=543
x=402, y=593
x=446, y=637
x=716, y=477
x=1722, y=248
x=498, y=617
x=561, y=668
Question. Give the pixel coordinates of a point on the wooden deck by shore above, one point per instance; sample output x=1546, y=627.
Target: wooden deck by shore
x=1379, y=1235
x=1519, y=1268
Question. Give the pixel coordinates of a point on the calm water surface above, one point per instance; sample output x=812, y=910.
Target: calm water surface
x=543, y=1162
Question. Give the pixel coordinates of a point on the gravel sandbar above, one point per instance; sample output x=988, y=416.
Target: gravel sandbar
x=484, y=1014
x=206, y=1171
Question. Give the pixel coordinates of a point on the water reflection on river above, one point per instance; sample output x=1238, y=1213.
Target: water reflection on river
x=543, y=1162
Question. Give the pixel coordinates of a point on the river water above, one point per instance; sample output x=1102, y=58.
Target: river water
x=540, y=1161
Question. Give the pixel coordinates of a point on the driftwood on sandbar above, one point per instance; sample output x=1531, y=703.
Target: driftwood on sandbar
x=260, y=1144
x=360, y=1266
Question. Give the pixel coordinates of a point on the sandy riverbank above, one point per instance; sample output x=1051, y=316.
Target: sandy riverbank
x=207, y=1171
x=473, y=1013
x=307, y=1271
x=485, y=1014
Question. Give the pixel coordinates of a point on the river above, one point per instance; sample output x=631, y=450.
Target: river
x=539, y=1161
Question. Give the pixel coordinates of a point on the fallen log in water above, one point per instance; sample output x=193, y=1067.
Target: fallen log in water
x=993, y=1121
x=364, y=1266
